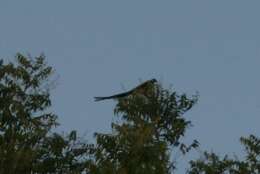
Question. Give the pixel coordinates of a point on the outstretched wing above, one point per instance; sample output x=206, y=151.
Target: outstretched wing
x=138, y=88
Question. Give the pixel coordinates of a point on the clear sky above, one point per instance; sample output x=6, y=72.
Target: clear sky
x=105, y=47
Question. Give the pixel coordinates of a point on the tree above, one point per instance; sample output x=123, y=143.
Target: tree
x=26, y=142
x=213, y=164
x=150, y=125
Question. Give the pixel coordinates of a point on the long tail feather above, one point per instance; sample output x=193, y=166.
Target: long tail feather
x=125, y=94
x=100, y=98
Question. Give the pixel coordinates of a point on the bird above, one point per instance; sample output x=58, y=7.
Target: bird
x=142, y=86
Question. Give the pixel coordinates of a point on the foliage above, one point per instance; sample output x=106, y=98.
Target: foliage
x=149, y=127
x=212, y=164
x=26, y=142
x=150, y=124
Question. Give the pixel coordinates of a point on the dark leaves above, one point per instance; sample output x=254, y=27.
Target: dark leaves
x=26, y=143
x=150, y=124
x=214, y=164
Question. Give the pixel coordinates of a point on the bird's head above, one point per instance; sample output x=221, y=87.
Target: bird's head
x=153, y=80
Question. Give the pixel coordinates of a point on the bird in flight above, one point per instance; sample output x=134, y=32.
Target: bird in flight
x=142, y=86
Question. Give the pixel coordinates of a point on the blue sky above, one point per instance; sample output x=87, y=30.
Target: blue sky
x=105, y=47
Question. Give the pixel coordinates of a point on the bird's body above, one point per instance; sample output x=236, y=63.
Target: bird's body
x=139, y=87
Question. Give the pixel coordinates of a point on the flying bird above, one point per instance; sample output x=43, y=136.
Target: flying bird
x=142, y=86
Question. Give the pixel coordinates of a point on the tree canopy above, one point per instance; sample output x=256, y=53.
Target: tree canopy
x=27, y=144
x=213, y=164
x=150, y=124
x=149, y=127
